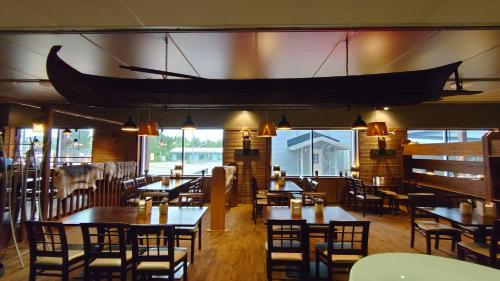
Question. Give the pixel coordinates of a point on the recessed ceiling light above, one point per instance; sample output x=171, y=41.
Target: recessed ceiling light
x=386, y=108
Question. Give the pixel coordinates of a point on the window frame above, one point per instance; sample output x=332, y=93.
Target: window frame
x=353, y=150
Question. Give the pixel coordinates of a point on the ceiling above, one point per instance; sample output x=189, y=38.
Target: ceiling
x=75, y=14
x=248, y=54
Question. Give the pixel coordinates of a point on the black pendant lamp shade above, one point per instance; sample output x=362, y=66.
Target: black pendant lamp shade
x=359, y=124
x=67, y=132
x=284, y=124
x=130, y=126
x=188, y=124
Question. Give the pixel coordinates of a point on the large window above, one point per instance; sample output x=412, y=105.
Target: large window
x=302, y=152
x=197, y=150
x=74, y=148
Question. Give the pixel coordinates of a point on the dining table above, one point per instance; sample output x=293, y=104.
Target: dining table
x=176, y=216
x=418, y=267
x=330, y=213
x=289, y=187
x=172, y=188
x=481, y=223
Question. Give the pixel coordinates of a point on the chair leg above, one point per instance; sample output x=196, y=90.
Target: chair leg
x=185, y=271
x=412, y=237
x=460, y=253
x=199, y=238
x=364, y=208
x=269, y=271
x=381, y=207
x=330, y=269
x=192, y=247
x=436, y=242
x=428, y=243
x=32, y=273
x=65, y=275
x=317, y=265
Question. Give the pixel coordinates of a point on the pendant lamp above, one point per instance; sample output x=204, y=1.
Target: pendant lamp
x=359, y=124
x=149, y=128
x=284, y=124
x=377, y=129
x=130, y=125
x=266, y=129
x=67, y=132
x=188, y=124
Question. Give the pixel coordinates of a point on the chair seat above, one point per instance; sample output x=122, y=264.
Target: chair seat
x=480, y=248
x=179, y=254
x=110, y=262
x=282, y=256
x=318, y=228
x=346, y=258
x=337, y=258
x=369, y=197
x=72, y=255
x=435, y=226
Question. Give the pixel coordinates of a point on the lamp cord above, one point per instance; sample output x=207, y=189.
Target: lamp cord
x=347, y=55
x=166, y=57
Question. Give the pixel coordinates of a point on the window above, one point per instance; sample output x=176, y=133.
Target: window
x=301, y=152
x=75, y=148
x=197, y=150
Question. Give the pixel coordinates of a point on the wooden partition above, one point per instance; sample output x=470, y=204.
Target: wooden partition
x=222, y=195
x=475, y=162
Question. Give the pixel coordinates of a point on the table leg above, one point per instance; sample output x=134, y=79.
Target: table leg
x=480, y=234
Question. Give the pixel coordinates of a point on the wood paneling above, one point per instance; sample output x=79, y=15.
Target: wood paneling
x=382, y=166
x=110, y=144
x=456, y=185
x=450, y=149
x=466, y=167
x=248, y=166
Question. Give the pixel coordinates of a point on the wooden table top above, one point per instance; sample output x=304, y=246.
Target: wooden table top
x=159, y=186
x=453, y=214
x=330, y=213
x=289, y=186
x=178, y=216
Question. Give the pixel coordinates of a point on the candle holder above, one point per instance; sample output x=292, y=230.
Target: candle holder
x=276, y=171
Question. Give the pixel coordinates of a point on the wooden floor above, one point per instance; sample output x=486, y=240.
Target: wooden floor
x=239, y=254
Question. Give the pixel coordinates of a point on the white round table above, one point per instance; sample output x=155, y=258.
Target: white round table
x=418, y=267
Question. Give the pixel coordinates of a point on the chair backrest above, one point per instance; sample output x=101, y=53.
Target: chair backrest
x=359, y=187
x=196, y=186
x=255, y=188
x=104, y=240
x=140, y=181
x=348, y=237
x=128, y=185
x=310, y=198
x=278, y=198
x=307, y=186
x=495, y=244
x=300, y=182
x=420, y=200
x=152, y=243
x=349, y=185
x=410, y=185
x=289, y=236
x=47, y=239
x=314, y=186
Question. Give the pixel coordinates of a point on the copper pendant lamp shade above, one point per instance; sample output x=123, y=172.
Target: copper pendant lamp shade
x=266, y=130
x=377, y=129
x=359, y=124
x=149, y=129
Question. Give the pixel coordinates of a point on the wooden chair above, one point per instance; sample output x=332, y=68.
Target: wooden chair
x=350, y=191
x=49, y=250
x=278, y=199
x=105, y=250
x=307, y=184
x=488, y=253
x=257, y=203
x=367, y=199
x=193, y=196
x=287, y=246
x=129, y=193
x=313, y=186
x=347, y=243
x=140, y=181
x=310, y=198
x=420, y=222
x=188, y=233
x=153, y=252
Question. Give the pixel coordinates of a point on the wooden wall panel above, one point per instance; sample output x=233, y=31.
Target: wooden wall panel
x=110, y=144
x=451, y=149
x=248, y=166
x=382, y=166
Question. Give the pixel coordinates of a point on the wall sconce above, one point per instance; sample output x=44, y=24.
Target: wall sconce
x=245, y=135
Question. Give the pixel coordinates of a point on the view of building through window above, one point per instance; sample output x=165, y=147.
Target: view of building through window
x=197, y=150
x=75, y=148
x=302, y=152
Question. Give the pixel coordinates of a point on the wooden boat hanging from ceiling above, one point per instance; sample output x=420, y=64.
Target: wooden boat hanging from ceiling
x=387, y=89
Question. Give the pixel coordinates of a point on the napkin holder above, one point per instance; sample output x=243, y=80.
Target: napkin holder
x=319, y=207
x=486, y=209
x=165, y=181
x=296, y=207
x=145, y=206
x=466, y=208
x=163, y=207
